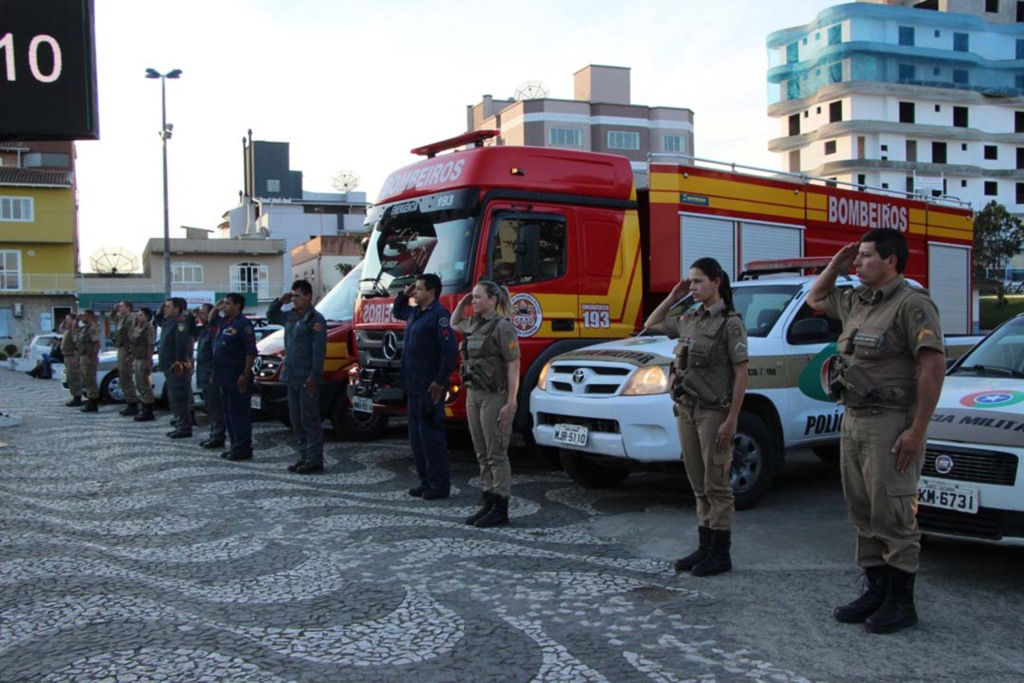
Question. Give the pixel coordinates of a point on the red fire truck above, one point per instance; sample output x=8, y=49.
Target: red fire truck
x=586, y=255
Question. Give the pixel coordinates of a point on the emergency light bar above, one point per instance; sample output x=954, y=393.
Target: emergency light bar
x=788, y=265
x=476, y=138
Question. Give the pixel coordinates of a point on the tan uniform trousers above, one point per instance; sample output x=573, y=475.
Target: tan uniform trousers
x=126, y=375
x=74, y=375
x=87, y=368
x=144, y=379
x=489, y=442
x=707, y=467
x=881, y=502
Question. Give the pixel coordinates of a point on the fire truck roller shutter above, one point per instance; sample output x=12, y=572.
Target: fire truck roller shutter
x=767, y=241
x=700, y=236
x=949, y=277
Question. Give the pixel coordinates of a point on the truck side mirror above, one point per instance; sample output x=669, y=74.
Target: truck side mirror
x=810, y=331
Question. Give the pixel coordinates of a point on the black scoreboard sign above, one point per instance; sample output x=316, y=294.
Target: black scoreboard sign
x=47, y=70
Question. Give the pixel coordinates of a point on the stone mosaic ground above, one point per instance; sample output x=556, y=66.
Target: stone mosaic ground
x=130, y=557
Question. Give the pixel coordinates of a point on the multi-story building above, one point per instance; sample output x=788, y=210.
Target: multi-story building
x=600, y=118
x=918, y=97
x=38, y=237
x=275, y=204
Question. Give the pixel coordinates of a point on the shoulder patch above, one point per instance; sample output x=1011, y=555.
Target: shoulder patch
x=317, y=327
x=443, y=322
x=917, y=313
x=181, y=327
x=248, y=329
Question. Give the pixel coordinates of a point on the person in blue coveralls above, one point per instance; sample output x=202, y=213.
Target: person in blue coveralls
x=428, y=358
x=234, y=351
x=305, y=345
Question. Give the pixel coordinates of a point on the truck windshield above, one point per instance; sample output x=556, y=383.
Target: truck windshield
x=999, y=354
x=338, y=305
x=413, y=244
x=762, y=305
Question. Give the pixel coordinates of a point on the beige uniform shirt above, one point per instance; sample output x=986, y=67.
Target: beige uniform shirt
x=497, y=349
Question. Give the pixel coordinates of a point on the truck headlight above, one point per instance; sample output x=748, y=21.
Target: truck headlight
x=542, y=380
x=650, y=380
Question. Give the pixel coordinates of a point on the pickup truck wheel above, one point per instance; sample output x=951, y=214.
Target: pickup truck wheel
x=110, y=388
x=589, y=473
x=354, y=425
x=753, y=461
x=827, y=452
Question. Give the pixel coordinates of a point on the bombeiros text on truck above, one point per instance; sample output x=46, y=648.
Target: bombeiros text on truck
x=586, y=255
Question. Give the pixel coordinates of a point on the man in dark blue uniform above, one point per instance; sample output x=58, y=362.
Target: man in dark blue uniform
x=175, y=357
x=234, y=350
x=305, y=346
x=428, y=358
x=209, y=318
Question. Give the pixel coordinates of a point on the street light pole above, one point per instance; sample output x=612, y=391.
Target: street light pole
x=165, y=135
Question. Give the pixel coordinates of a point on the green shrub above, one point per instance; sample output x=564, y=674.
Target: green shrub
x=10, y=350
x=3, y=356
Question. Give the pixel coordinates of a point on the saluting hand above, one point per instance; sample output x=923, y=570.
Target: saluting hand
x=845, y=257
x=681, y=289
x=907, y=449
x=285, y=298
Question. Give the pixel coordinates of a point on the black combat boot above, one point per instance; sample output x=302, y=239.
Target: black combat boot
x=486, y=503
x=131, y=409
x=897, y=611
x=687, y=563
x=92, y=405
x=147, y=413
x=75, y=402
x=869, y=601
x=717, y=560
x=497, y=515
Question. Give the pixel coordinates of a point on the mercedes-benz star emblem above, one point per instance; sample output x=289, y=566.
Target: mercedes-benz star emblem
x=943, y=464
x=578, y=376
x=256, y=365
x=389, y=347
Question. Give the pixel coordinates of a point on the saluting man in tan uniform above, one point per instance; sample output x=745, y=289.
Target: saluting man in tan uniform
x=142, y=336
x=891, y=364
x=88, y=346
x=709, y=380
x=69, y=347
x=125, y=365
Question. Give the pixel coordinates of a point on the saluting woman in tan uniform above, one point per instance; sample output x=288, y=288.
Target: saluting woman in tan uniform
x=490, y=370
x=709, y=379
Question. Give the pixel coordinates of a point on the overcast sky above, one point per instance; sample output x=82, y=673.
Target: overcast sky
x=355, y=84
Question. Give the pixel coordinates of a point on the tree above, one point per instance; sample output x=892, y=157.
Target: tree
x=998, y=237
x=344, y=268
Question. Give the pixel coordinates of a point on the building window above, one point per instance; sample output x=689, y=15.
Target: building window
x=907, y=35
x=1020, y=49
x=963, y=146
x=960, y=117
x=1018, y=80
x=835, y=111
x=10, y=270
x=961, y=42
x=1020, y=193
x=991, y=152
x=906, y=112
x=963, y=183
x=273, y=185
x=1020, y=11
x=16, y=209
x=835, y=34
x=992, y=6
x=1020, y=157
x=1018, y=122
x=620, y=139
x=794, y=124
x=186, y=273
x=935, y=71
x=673, y=143
x=862, y=181
x=250, y=277
x=911, y=150
x=565, y=137
x=910, y=184
x=835, y=72
x=991, y=188
x=794, y=161
x=938, y=152
x=792, y=53
x=830, y=147
x=960, y=76
x=906, y=72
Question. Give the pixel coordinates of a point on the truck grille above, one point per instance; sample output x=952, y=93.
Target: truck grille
x=592, y=424
x=380, y=348
x=587, y=378
x=971, y=464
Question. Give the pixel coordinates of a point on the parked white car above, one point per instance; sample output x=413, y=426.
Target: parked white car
x=973, y=482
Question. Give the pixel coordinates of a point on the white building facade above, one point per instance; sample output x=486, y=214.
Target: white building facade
x=917, y=97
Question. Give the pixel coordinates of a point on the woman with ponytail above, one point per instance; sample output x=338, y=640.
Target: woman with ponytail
x=708, y=381
x=490, y=371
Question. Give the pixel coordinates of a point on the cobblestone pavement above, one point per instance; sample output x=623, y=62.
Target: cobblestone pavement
x=131, y=557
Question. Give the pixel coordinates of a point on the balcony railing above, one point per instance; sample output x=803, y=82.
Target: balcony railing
x=37, y=282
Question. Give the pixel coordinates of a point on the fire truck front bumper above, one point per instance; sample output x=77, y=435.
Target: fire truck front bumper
x=370, y=392
x=640, y=428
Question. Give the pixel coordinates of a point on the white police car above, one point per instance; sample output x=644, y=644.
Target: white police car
x=973, y=483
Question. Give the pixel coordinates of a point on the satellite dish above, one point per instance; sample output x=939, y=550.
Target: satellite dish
x=345, y=181
x=531, y=90
x=114, y=261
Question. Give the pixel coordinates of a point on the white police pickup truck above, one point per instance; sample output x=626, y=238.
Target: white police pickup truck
x=973, y=482
x=606, y=408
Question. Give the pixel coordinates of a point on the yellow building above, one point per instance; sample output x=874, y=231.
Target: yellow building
x=38, y=238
